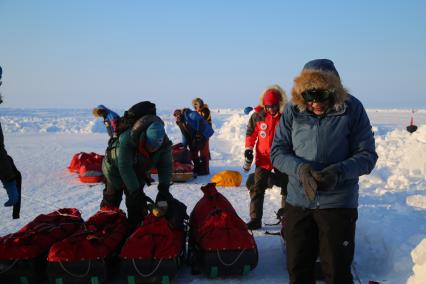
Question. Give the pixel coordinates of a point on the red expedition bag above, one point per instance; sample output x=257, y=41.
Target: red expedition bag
x=83, y=255
x=23, y=254
x=88, y=166
x=154, y=252
x=219, y=241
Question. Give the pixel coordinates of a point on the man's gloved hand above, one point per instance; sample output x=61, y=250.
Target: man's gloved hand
x=308, y=181
x=248, y=154
x=327, y=178
x=12, y=193
x=163, y=192
x=163, y=196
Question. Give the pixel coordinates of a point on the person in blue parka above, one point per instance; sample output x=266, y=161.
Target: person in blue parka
x=196, y=132
x=324, y=142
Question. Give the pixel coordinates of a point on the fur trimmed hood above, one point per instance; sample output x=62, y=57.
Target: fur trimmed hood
x=321, y=80
x=283, y=97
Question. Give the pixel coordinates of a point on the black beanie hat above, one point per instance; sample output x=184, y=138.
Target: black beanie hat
x=322, y=65
x=140, y=109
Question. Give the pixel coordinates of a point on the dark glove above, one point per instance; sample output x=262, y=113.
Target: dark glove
x=308, y=181
x=12, y=193
x=327, y=178
x=248, y=154
x=163, y=194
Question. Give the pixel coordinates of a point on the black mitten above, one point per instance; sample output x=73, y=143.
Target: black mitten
x=327, y=178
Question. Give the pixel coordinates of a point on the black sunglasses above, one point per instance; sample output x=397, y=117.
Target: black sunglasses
x=271, y=106
x=315, y=95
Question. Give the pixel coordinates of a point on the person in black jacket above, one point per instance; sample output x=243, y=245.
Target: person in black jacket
x=9, y=174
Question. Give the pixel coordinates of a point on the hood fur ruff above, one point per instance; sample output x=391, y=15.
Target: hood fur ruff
x=321, y=80
x=283, y=98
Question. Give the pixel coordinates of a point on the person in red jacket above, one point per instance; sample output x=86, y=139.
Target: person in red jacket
x=260, y=135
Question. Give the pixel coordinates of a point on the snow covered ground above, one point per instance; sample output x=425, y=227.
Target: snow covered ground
x=391, y=229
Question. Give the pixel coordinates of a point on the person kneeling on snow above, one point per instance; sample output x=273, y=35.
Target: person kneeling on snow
x=324, y=142
x=9, y=174
x=142, y=144
x=260, y=134
x=196, y=132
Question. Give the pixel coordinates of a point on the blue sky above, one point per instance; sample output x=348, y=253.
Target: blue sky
x=77, y=54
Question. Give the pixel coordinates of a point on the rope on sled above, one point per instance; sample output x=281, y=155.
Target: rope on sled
x=233, y=262
x=148, y=274
x=76, y=275
x=10, y=267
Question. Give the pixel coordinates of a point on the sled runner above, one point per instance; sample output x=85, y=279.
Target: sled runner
x=155, y=251
x=23, y=254
x=219, y=242
x=85, y=256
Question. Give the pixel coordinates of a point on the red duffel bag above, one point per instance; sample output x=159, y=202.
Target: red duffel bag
x=23, y=254
x=219, y=241
x=85, y=254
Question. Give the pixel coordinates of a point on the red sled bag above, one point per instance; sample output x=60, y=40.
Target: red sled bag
x=219, y=242
x=84, y=257
x=154, y=252
x=88, y=166
x=23, y=254
x=183, y=169
x=181, y=154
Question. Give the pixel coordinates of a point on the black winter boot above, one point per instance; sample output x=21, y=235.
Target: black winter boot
x=254, y=224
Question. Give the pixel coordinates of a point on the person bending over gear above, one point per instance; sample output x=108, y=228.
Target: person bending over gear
x=260, y=134
x=324, y=142
x=9, y=175
x=195, y=134
x=110, y=119
x=142, y=144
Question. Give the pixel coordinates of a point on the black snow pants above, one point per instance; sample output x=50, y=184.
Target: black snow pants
x=136, y=203
x=264, y=179
x=329, y=233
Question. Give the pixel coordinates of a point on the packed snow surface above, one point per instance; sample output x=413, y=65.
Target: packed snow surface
x=391, y=227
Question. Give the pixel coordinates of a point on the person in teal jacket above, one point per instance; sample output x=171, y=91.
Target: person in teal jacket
x=142, y=144
x=324, y=142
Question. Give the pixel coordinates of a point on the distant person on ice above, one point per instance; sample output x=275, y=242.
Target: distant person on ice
x=9, y=175
x=260, y=134
x=202, y=109
x=110, y=119
x=196, y=132
x=142, y=144
x=324, y=142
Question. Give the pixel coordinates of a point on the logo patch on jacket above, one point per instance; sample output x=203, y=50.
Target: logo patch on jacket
x=263, y=126
x=262, y=134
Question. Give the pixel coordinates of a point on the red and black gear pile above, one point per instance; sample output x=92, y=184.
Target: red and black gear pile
x=154, y=252
x=23, y=254
x=219, y=242
x=88, y=166
x=85, y=256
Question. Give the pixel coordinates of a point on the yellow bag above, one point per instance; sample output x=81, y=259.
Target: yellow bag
x=227, y=178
